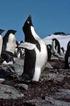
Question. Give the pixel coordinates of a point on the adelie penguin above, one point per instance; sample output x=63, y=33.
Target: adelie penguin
x=56, y=49
x=35, y=53
x=9, y=41
x=49, y=49
x=67, y=57
x=1, y=40
x=55, y=46
x=9, y=45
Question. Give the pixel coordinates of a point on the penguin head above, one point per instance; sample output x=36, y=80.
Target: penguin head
x=27, y=28
x=28, y=23
x=1, y=31
x=9, y=32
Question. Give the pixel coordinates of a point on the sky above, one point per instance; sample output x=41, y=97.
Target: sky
x=48, y=16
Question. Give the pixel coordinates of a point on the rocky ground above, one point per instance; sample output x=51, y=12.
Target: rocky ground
x=53, y=89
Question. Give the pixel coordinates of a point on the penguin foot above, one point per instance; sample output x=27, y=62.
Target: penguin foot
x=25, y=79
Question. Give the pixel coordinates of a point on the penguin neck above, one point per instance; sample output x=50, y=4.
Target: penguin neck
x=32, y=37
x=34, y=33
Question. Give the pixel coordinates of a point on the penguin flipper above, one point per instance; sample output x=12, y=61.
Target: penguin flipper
x=27, y=45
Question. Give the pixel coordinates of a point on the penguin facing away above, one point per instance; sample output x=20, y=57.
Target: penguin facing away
x=49, y=49
x=56, y=45
x=1, y=40
x=57, y=50
x=67, y=57
x=9, y=41
x=35, y=52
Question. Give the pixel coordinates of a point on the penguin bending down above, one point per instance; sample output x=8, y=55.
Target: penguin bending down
x=9, y=45
x=56, y=49
x=7, y=57
x=67, y=57
x=35, y=53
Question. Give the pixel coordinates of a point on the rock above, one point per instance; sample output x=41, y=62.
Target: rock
x=48, y=65
x=49, y=101
x=9, y=92
x=18, y=66
x=63, y=94
x=23, y=86
x=18, y=69
x=54, y=102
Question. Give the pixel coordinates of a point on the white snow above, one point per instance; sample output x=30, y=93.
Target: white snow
x=63, y=39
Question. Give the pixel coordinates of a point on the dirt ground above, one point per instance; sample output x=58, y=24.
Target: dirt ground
x=53, y=89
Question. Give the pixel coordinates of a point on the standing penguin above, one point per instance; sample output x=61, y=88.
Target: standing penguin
x=9, y=41
x=49, y=49
x=57, y=50
x=9, y=45
x=55, y=46
x=1, y=40
x=35, y=52
x=67, y=57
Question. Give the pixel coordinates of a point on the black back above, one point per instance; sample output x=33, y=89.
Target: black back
x=67, y=55
x=49, y=48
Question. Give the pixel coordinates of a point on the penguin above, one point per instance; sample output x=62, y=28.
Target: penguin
x=7, y=58
x=49, y=49
x=19, y=52
x=9, y=41
x=55, y=45
x=57, y=50
x=1, y=41
x=35, y=53
x=67, y=56
x=9, y=45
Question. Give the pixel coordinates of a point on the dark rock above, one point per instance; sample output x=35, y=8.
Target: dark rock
x=9, y=92
x=22, y=86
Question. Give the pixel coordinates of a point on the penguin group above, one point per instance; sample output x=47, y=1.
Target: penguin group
x=55, y=49
x=9, y=47
x=34, y=51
